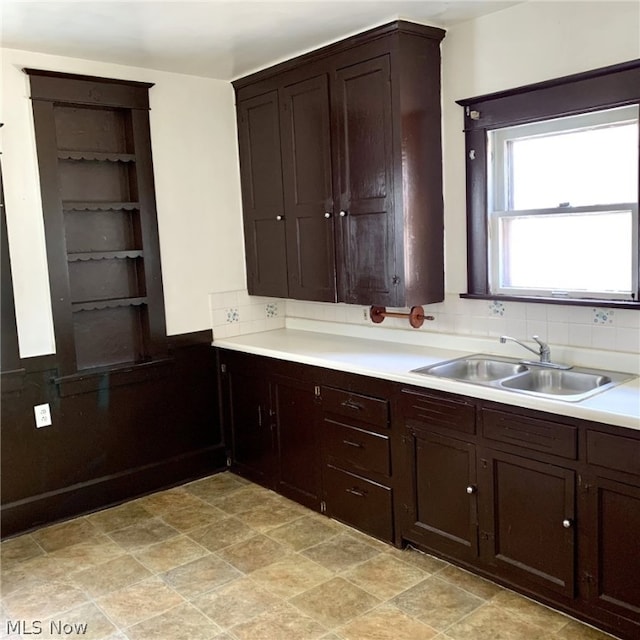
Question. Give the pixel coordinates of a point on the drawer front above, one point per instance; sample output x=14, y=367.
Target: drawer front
x=613, y=452
x=433, y=411
x=366, y=505
x=364, y=450
x=373, y=411
x=530, y=433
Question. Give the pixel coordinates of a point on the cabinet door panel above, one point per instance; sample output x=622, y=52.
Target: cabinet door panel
x=252, y=429
x=262, y=197
x=298, y=448
x=364, y=175
x=614, y=556
x=444, y=512
x=306, y=163
x=527, y=522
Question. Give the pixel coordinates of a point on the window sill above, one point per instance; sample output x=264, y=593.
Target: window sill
x=578, y=302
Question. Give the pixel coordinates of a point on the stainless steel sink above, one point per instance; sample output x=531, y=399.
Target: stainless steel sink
x=474, y=369
x=513, y=375
x=557, y=383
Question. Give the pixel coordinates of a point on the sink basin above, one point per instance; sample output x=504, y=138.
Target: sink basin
x=557, y=383
x=509, y=374
x=474, y=369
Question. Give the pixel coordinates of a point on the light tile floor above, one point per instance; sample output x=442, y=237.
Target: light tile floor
x=223, y=559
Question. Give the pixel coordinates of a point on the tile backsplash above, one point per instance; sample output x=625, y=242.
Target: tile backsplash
x=235, y=313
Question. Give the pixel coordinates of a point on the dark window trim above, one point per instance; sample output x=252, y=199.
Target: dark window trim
x=608, y=87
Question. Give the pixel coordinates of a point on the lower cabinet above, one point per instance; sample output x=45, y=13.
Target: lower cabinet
x=356, y=460
x=298, y=464
x=527, y=521
x=249, y=411
x=326, y=447
x=270, y=425
x=443, y=505
x=546, y=505
x=611, y=497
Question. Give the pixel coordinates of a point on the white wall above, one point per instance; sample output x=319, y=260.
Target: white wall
x=526, y=43
x=193, y=136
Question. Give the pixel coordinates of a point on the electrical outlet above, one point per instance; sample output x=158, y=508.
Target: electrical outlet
x=43, y=415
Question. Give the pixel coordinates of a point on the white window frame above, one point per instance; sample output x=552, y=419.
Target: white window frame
x=499, y=199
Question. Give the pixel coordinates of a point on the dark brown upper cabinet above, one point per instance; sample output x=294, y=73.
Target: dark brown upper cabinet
x=96, y=177
x=341, y=170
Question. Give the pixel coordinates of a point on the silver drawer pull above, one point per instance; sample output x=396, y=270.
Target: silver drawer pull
x=357, y=492
x=350, y=404
x=351, y=443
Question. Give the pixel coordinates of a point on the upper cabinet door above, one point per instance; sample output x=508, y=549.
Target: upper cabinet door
x=262, y=198
x=306, y=163
x=364, y=177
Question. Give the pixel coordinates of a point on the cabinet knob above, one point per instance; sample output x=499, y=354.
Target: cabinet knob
x=471, y=489
x=327, y=214
x=343, y=213
x=278, y=218
x=566, y=523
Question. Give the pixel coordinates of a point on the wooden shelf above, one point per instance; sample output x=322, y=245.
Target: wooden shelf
x=93, y=305
x=104, y=255
x=74, y=205
x=100, y=156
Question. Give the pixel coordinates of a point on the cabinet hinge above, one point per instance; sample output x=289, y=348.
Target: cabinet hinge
x=228, y=461
x=323, y=507
x=223, y=368
x=486, y=535
x=587, y=577
x=584, y=486
x=396, y=280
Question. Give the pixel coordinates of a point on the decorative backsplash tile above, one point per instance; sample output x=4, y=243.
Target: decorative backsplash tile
x=496, y=308
x=603, y=316
x=236, y=312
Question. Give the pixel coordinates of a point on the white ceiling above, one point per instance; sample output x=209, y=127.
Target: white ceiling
x=222, y=39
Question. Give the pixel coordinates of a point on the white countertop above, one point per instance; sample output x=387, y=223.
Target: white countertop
x=393, y=361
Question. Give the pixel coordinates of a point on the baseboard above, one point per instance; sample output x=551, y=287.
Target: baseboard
x=44, y=509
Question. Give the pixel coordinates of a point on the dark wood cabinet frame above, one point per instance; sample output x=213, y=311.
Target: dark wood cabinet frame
x=139, y=273
x=604, y=88
x=355, y=216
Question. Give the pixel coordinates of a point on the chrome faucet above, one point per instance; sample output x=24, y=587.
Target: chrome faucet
x=544, y=353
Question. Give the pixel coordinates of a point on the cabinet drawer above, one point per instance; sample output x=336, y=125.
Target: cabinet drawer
x=358, y=448
x=613, y=452
x=435, y=411
x=530, y=433
x=373, y=411
x=359, y=502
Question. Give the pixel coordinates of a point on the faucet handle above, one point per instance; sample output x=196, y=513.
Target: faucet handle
x=545, y=351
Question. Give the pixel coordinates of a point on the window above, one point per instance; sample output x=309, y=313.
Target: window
x=552, y=175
